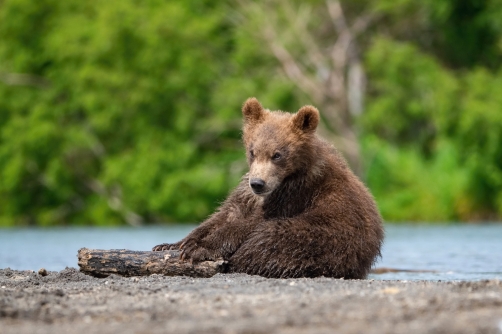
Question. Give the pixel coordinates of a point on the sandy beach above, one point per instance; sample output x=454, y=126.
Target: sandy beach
x=71, y=302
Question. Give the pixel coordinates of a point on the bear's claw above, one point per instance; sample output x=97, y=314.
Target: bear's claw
x=164, y=247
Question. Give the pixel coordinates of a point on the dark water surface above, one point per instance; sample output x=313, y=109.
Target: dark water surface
x=450, y=252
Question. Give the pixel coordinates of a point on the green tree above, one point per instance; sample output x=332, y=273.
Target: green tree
x=106, y=111
x=434, y=71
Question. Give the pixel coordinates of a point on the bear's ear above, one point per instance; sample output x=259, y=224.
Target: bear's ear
x=252, y=111
x=306, y=119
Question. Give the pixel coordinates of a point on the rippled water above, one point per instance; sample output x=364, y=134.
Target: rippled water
x=449, y=252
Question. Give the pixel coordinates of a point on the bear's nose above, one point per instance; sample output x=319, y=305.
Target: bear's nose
x=257, y=185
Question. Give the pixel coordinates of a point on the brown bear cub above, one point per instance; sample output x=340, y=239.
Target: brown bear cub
x=299, y=212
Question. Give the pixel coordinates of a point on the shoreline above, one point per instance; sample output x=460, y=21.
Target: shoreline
x=71, y=302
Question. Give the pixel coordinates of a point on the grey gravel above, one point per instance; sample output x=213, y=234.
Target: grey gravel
x=71, y=302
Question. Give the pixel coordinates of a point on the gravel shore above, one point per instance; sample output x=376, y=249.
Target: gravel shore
x=71, y=302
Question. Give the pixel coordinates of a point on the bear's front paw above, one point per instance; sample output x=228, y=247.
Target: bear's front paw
x=164, y=247
x=193, y=252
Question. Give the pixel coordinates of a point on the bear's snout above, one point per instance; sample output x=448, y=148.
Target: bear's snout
x=258, y=185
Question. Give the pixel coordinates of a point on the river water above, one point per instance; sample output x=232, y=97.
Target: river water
x=439, y=252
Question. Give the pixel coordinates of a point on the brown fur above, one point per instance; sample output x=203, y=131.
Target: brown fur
x=312, y=216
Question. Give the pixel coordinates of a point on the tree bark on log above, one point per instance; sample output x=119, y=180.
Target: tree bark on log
x=102, y=263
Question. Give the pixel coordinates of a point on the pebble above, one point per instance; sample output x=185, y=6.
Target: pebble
x=42, y=272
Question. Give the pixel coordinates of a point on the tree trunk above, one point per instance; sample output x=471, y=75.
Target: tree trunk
x=102, y=263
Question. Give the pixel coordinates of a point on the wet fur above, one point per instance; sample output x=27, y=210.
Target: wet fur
x=318, y=220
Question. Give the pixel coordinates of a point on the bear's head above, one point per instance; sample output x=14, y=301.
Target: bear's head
x=278, y=144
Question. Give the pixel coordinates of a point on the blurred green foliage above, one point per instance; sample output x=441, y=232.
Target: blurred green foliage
x=128, y=111
x=432, y=131
x=124, y=127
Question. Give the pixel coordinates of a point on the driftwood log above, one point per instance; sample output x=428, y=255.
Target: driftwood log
x=102, y=263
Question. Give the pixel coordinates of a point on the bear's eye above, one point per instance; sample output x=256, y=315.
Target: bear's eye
x=251, y=154
x=276, y=156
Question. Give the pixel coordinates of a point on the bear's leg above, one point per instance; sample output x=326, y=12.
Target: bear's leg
x=220, y=233
x=220, y=243
x=197, y=233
